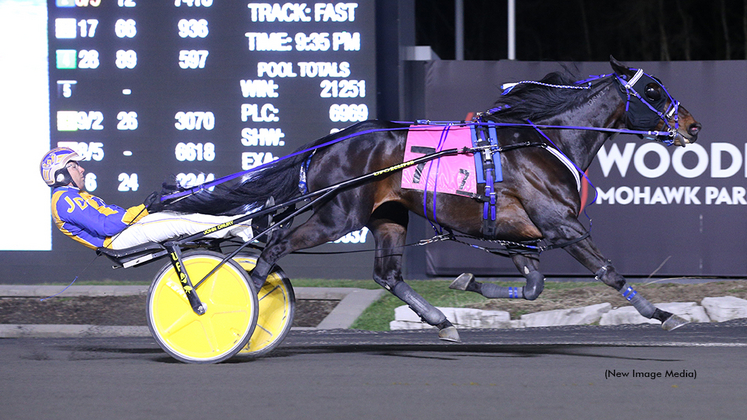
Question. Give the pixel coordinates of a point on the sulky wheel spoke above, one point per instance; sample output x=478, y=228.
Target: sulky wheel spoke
x=268, y=332
x=223, y=308
x=210, y=326
x=186, y=319
x=269, y=292
x=211, y=338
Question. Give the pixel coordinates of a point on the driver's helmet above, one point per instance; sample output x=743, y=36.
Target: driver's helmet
x=53, y=166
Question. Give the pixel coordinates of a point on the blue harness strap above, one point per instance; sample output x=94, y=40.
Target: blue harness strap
x=489, y=171
x=492, y=138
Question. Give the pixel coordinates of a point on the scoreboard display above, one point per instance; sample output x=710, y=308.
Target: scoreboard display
x=200, y=89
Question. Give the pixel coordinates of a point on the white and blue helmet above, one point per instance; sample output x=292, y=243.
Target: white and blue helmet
x=54, y=166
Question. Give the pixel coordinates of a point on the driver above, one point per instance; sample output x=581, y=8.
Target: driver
x=90, y=221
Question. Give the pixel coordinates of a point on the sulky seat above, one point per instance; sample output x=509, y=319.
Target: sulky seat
x=136, y=255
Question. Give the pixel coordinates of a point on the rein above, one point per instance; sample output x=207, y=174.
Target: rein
x=652, y=133
x=667, y=137
x=194, y=190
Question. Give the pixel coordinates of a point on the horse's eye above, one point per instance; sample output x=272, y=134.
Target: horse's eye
x=652, y=91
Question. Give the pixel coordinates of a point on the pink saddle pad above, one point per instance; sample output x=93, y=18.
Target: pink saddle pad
x=448, y=174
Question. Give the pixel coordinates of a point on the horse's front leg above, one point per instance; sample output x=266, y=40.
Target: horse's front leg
x=587, y=253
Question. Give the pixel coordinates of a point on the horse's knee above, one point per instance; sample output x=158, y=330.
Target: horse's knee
x=535, y=285
x=610, y=277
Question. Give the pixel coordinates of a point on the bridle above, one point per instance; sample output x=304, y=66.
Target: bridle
x=637, y=112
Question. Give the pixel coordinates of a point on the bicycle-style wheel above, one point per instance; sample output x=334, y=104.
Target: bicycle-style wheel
x=227, y=324
x=277, y=304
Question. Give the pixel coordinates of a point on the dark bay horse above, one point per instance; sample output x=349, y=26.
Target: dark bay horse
x=537, y=199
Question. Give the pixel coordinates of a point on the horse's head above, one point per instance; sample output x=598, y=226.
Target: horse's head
x=650, y=107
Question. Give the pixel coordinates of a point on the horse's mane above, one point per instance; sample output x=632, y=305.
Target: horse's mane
x=535, y=102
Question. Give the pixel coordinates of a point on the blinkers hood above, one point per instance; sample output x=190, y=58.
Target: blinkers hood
x=643, y=111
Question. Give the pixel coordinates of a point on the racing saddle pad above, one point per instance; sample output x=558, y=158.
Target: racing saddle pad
x=454, y=174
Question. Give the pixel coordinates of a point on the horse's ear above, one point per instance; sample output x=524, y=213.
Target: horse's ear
x=620, y=68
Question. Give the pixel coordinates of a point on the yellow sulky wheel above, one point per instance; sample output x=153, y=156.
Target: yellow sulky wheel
x=277, y=305
x=228, y=322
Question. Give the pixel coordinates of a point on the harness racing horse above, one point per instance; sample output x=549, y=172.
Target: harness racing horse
x=538, y=198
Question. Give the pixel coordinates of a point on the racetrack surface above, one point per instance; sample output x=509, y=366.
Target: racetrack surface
x=725, y=334
x=585, y=372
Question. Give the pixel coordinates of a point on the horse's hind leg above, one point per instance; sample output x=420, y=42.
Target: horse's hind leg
x=528, y=265
x=389, y=229
x=321, y=227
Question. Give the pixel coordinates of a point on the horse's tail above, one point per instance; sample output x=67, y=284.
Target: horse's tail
x=250, y=192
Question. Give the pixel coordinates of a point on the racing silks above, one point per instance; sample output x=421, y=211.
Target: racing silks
x=88, y=219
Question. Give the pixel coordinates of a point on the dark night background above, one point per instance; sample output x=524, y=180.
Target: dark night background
x=589, y=30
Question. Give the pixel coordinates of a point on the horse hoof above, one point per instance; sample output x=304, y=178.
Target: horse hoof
x=462, y=281
x=673, y=322
x=449, y=334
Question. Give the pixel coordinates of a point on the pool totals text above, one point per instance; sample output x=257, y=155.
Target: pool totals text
x=202, y=88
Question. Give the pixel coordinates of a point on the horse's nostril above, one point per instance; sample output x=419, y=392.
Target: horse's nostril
x=694, y=129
